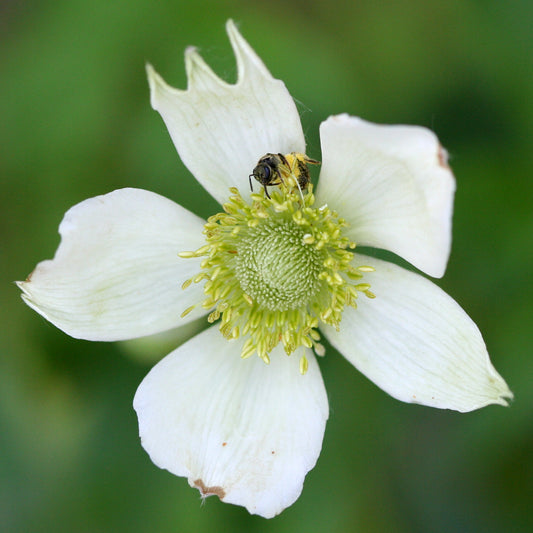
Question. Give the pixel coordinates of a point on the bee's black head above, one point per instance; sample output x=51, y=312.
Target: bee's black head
x=266, y=172
x=263, y=173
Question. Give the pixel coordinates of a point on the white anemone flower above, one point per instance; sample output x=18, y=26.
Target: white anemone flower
x=272, y=270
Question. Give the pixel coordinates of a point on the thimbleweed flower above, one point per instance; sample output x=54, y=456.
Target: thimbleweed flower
x=240, y=409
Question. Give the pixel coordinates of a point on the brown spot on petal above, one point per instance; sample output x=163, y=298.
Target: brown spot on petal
x=28, y=279
x=209, y=491
x=442, y=157
x=224, y=443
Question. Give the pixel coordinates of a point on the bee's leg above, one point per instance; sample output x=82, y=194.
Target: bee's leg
x=278, y=170
x=303, y=174
x=286, y=167
x=284, y=159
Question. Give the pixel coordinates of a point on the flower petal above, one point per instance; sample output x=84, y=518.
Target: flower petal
x=393, y=185
x=116, y=274
x=417, y=344
x=220, y=130
x=243, y=430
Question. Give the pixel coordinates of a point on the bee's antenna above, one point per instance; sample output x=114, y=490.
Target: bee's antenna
x=250, y=180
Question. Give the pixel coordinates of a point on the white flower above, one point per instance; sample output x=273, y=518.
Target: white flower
x=276, y=270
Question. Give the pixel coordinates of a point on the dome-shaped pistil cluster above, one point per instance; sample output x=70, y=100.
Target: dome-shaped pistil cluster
x=275, y=269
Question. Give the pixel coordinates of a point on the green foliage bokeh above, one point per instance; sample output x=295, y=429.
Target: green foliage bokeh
x=75, y=122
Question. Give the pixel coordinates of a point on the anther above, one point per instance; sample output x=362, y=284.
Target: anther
x=187, y=311
x=186, y=255
x=304, y=365
x=320, y=350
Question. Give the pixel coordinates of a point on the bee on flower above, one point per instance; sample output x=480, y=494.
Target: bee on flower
x=288, y=170
x=240, y=409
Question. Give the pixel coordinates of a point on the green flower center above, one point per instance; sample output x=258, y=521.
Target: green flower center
x=275, y=266
x=275, y=269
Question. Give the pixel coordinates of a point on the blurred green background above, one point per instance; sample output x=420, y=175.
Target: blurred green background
x=75, y=122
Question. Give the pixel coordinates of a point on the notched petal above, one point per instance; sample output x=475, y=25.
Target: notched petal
x=200, y=76
x=247, y=60
x=220, y=130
